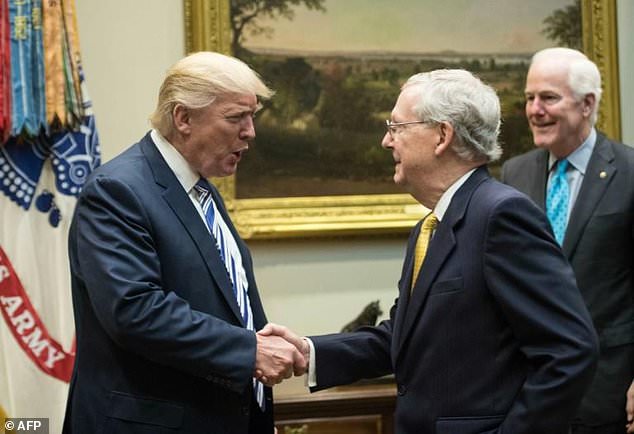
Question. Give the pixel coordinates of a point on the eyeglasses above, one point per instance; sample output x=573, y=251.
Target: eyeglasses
x=392, y=127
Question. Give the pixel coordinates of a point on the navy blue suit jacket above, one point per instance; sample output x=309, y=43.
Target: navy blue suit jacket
x=599, y=243
x=495, y=337
x=161, y=345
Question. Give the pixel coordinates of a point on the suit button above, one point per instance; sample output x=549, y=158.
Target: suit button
x=402, y=389
x=245, y=410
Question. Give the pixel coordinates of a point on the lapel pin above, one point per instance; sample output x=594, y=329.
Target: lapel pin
x=602, y=174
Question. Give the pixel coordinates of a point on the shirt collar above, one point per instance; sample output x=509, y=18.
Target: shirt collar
x=445, y=199
x=580, y=157
x=186, y=176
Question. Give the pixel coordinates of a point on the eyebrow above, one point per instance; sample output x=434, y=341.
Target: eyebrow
x=240, y=111
x=541, y=92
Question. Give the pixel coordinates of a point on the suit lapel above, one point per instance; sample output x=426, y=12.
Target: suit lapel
x=539, y=177
x=440, y=247
x=181, y=205
x=405, y=284
x=599, y=174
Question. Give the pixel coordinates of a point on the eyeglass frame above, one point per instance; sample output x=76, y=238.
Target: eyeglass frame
x=391, y=126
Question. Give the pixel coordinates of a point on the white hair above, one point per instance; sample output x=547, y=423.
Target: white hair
x=583, y=75
x=470, y=106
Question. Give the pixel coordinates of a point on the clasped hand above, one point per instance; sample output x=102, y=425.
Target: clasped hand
x=280, y=354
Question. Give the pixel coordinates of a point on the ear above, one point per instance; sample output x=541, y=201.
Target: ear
x=588, y=102
x=182, y=119
x=445, y=138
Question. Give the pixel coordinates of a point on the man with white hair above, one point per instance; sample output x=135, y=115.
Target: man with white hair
x=585, y=182
x=489, y=333
x=166, y=305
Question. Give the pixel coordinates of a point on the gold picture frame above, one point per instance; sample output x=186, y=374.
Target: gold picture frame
x=207, y=28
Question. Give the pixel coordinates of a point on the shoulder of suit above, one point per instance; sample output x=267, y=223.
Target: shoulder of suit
x=622, y=148
x=523, y=158
x=130, y=166
x=494, y=196
x=501, y=189
x=624, y=153
x=518, y=167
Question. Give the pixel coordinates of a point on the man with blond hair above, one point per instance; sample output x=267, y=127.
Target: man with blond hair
x=166, y=305
x=585, y=182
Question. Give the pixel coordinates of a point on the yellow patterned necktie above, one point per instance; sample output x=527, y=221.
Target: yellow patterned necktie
x=429, y=224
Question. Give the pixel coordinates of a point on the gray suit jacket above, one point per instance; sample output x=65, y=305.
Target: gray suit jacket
x=599, y=243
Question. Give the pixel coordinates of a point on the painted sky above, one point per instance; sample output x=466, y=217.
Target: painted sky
x=476, y=26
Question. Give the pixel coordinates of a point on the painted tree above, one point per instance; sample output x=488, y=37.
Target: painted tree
x=245, y=14
x=563, y=26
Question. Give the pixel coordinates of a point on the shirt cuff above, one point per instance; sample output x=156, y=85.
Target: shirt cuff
x=311, y=378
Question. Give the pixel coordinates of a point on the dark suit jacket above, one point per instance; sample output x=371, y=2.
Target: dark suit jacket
x=495, y=337
x=599, y=243
x=161, y=345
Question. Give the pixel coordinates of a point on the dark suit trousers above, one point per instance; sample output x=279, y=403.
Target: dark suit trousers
x=615, y=428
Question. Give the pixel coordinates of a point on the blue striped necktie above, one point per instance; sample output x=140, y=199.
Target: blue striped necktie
x=557, y=199
x=232, y=258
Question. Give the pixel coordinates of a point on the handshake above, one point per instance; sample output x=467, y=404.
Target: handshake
x=280, y=354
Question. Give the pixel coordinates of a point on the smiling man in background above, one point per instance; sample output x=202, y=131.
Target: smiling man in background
x=585, y=182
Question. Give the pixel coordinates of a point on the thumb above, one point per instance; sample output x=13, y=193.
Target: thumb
x=268, y=329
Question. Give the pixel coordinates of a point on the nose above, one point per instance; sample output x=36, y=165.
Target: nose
x=247, y=129
x=386, y=143
x=534, y=107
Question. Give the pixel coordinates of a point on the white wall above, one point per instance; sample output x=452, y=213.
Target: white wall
x=126, y=48
x=625, y=29
x=317, y=286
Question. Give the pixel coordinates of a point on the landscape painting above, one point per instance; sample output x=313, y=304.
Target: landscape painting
x=337, y=67
x=316, y=167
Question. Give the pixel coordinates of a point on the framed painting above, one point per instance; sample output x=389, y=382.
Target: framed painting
x=317, y=167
